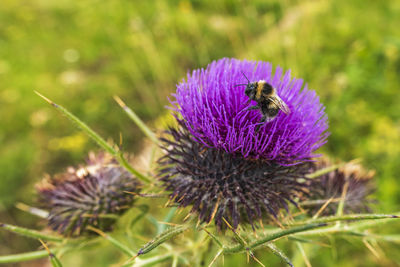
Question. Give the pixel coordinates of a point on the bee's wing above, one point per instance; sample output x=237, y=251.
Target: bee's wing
x=279, y=103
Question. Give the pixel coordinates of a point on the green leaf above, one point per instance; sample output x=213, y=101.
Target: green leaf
x=30, y=233
x=273, y=236
x=161, y=238
x=98, y=139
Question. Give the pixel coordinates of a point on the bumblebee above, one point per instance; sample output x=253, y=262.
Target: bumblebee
x=267, y=100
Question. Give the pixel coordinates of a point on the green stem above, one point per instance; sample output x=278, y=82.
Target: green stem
x=161, y=238
x=129, y=167
x=113, y=241
x=272, y=237
x=135, y=118
x=323, y=171
x=152, y=261
x=219, y=243
x=24, y=256
x=329, y=169
x=161, y=227
x=347, y=218
x=30, y=233
x=98, y=139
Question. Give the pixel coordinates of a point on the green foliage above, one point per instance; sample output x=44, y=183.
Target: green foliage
x=81, y=53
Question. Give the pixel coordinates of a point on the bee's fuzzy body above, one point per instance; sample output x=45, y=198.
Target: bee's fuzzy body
x=267, y=100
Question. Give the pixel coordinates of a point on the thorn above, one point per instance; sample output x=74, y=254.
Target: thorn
x=372, y=249
x=97, y=231
x=302, y=211
x=51, y=255
x=215, y=258
x=262, y=225
x=230, y=227
x=214, y=211
x=277, y=222
x=119, y=101
x=46, y=99
x=323, y=207
x=120, y=140
x=180, y=211
x=198, y=222
x=132, y=258
x=168, y=223
x=146, y=195
x=187, y=217
x=257, y=260
x=180, y=199
x=303, y=254
x=170, y=200
x=132, y=193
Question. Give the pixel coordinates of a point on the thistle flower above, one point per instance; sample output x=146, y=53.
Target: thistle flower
x=351, y=177
x=87, y=196
x=213, y=109
x=218, y=163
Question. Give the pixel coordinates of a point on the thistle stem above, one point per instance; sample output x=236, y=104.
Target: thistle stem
x=30, y=233
x=113, y=241
x=24, y=256
x=272, y=237
x=135, y=118
x=98, y=139
x=347, y=218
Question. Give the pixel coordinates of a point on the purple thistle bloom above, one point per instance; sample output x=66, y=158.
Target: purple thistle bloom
x=217, y=161
x=213, y=109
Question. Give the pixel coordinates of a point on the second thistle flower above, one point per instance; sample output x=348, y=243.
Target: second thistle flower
x=86, y=196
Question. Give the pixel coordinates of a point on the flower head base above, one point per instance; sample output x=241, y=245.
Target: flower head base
x=219, y=185
x=87, y=196
x=214, y=111
x=351, y=178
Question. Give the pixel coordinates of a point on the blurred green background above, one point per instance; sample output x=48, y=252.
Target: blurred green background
x=81, y=53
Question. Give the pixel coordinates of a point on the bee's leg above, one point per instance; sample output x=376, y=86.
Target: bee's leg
x=253, y=107
x=262, y=122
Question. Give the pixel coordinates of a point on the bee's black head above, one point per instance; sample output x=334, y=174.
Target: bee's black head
x=250, y=88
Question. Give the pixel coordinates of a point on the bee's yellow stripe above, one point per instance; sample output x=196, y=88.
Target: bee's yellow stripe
x=259, y=89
